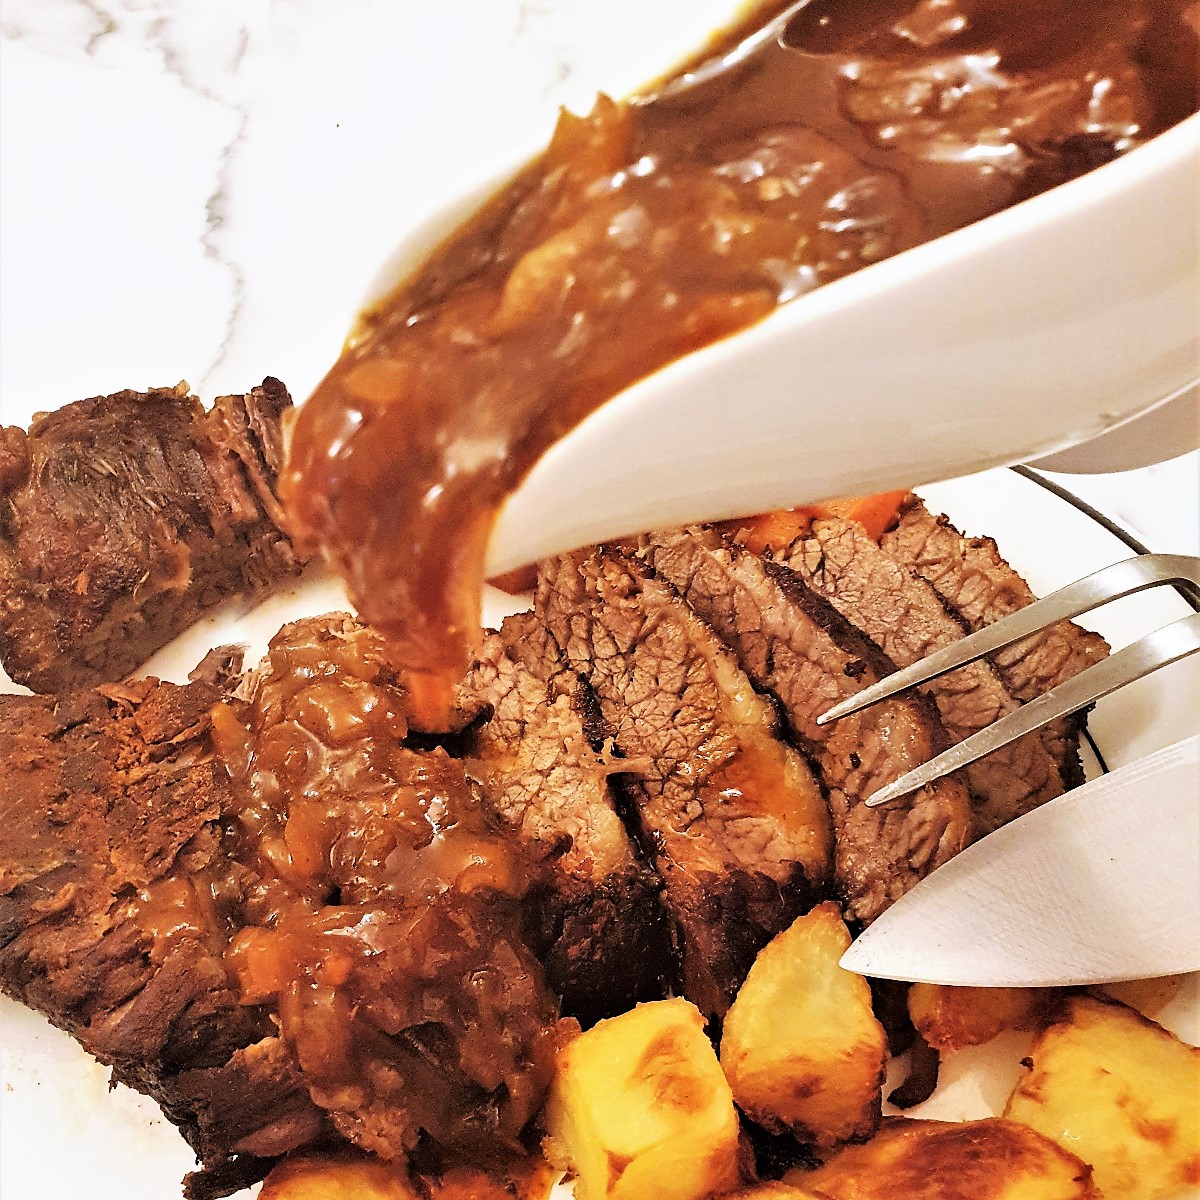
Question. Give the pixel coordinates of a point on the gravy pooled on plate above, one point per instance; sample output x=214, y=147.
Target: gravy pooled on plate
x=652, y=227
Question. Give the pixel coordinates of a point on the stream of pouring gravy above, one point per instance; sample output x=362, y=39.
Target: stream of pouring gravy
x=652, y=227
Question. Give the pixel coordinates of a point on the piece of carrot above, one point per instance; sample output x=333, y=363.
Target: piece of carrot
x=518, y=581
x=875, y=513
x=780, y=528
x=771, y=530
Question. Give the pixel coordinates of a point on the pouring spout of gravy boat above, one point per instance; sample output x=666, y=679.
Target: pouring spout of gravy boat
x=1035, y=330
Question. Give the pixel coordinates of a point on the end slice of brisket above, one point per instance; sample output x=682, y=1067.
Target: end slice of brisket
x=124, y=518
x=978, y=586
x=541, y=763
x=111, y=922
x=904, y=616
x=794, y=644
x=736, y=822
x=262, y=907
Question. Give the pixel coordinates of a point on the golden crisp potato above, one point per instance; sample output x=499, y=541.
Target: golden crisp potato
x=534, y=1180
x=773, y=1191
x=801, y=1047
x=949, y=1018
x=639, y=1107
x=1119, y=1091
x=347, y=1175
x=336, y=1177
x=940, y=1160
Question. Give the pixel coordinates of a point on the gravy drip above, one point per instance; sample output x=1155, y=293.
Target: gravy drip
x=650, y=228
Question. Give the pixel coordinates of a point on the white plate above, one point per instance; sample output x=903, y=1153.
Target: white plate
x=63, y=1132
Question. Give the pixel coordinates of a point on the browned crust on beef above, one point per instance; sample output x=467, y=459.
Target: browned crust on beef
x=109, y=803
x=796, y=645
x=540, y=760
x=124, y=518
x=735, y=821
x=978, y=586
x=904, y=615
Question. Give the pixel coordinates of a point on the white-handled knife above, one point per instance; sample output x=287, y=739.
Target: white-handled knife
x=1099, y=885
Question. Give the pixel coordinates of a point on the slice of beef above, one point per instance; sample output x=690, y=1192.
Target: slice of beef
x=797, y=646
x=112, y=887
x=979, y=587
x=123, y=518
x=903, y=615
x=738, y=827
x=384, y=928
x=542, y=764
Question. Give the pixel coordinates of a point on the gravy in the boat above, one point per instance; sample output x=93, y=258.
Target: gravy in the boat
x=652, y=227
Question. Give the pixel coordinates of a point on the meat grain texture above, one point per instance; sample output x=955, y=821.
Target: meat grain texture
x=736, y=821
x=905, y=617
x=544, y=762
x=797, y=647
x=125, y=518
x=109, y=809
x=979, y=587
x=265, y=904
x=261, y=907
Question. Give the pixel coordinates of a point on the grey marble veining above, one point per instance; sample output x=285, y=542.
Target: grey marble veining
x=225, y=176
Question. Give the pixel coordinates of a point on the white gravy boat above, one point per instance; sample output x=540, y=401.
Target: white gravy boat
x=1032, y=331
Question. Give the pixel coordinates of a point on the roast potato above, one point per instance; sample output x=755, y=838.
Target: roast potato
x=639, y=1107
x=1147, y=996
x=336, y=1177
x=350, y=1176
x=801, y=1046
x=938, y=1160
x=1119, y=1091
x=773, y=1191
x=949, y=1018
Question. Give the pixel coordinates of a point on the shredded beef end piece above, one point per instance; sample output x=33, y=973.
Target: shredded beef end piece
x=124, y=518
x=542, y=764
x=979, y=587
x=798, y=647
x=736, y=823
x=113, y=890
x=904, y=616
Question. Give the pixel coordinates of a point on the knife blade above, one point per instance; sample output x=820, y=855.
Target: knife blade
x=1096, y=886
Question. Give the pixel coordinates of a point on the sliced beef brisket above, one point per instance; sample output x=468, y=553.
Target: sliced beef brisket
x=123, y=518
x=264, y=909
x=904, y=616
x=385, y=930
x=979, y=587
x=796, y=645
x=737, y=824
x=541, y=763
x=111, y=886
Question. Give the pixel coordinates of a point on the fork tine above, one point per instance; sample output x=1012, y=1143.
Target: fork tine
x=1159, y=649
x=1109, y=583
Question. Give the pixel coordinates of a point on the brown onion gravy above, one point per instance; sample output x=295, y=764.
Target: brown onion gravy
x=653, y=227
x=377, y=904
